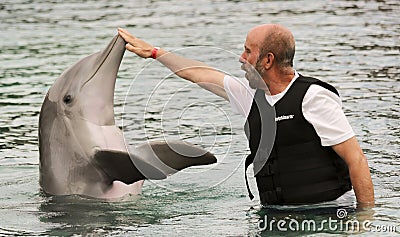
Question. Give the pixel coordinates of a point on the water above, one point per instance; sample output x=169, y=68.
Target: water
x=352, y=44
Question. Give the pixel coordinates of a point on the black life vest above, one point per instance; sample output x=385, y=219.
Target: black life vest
x=299, y=170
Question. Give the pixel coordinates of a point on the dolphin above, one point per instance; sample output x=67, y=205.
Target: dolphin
x=83, y=152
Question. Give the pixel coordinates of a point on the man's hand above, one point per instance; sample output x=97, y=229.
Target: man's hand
x=136, y=45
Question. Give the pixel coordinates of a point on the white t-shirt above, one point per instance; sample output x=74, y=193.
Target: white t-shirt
x=321, y=108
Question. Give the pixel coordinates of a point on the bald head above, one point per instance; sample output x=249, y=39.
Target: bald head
x=276, y=39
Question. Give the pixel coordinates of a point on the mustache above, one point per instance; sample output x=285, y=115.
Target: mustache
x=250, y=69
x=252, y=74
x=247, y=67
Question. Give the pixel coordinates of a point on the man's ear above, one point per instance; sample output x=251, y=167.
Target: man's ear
x=268, y=61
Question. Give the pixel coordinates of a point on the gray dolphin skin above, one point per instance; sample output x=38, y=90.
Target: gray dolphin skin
x=81, y=149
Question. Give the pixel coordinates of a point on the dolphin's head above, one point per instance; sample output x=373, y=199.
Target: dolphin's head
x=81, y=99
x=86, y=89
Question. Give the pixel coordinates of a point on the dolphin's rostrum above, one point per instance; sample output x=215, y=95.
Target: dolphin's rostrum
x=81, y=149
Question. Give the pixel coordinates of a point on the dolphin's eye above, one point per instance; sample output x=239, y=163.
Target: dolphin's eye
x=67, y=99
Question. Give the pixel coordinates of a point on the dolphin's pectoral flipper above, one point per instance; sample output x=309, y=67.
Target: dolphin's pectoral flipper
x=118, y=165
x=172, y=156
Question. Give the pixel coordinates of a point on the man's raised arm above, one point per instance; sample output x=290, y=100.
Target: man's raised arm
x=197, y=72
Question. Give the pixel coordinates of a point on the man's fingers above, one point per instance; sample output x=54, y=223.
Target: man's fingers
x=136, y=50
x=136, y=45
x=126, y=35
x=122, y=31
x=129, y=47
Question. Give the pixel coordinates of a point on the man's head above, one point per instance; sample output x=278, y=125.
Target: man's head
x=268, y=46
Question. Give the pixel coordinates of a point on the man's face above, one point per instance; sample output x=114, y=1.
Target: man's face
x=250, y=64
x=251, y=50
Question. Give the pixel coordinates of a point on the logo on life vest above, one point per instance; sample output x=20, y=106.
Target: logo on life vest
x=284, y=117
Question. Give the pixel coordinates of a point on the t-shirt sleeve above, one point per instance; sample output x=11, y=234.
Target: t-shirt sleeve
x=323, y=109
x=240, y=95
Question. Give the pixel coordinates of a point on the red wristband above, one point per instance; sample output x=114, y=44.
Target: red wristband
x=154, y=52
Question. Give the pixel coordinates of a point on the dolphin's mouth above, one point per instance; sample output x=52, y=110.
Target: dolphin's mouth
x=105, y=54
x=97, y=92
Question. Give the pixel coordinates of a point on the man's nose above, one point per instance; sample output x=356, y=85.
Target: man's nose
x=242, y=58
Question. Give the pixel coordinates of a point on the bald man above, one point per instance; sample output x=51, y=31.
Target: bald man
x=314, y=156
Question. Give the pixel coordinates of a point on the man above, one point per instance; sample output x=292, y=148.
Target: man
x=315, y=156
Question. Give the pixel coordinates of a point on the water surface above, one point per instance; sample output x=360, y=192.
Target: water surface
x=353, y=45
